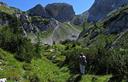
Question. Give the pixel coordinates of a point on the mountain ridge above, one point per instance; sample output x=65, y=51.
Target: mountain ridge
x=104, y=6
x=54, y=10
x=31, y=25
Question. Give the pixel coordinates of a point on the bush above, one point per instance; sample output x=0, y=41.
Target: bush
x=72, y=55
x=25, y=51
x=9, y=39
x=12, y=40
x=27, y=66
x=119, y=62
x=34, y=78
x=112, y=61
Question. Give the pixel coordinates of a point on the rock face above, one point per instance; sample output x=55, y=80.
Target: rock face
x=38, y=10
x=80, y=19
x=115, y=24
x=60, y=11
x=101, y=8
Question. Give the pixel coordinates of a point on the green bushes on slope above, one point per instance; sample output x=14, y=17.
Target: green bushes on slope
x=12, y=39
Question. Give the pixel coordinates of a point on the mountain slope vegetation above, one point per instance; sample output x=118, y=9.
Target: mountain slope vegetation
x=40, y=49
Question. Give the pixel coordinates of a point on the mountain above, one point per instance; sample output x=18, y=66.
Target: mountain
x=51, y=30
x=101, y=8
x=104, y=43
x=80, y=19
x=60, y=11
x=108, y=33
x=38, y=10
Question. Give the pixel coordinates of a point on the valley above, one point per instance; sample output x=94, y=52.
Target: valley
x=43, y=44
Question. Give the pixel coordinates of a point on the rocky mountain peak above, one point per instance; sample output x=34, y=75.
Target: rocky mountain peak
x=39, y=6
x=60, y=11
x=38, y=10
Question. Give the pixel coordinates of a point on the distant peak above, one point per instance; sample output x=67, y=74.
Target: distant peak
x=3, y=4
x=60, y=4
x=38, y=5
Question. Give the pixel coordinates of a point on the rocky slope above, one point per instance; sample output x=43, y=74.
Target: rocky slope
x=80, y=19
x=50, y=29
x=101, y=8
x=60, y=11
x=108, y=33
x=38, y=10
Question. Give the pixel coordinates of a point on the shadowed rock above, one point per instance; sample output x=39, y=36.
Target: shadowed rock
x=101, y=8
x=38, y=10
x=60, y=11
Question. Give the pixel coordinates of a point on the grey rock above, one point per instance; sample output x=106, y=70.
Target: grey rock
x=38, y=10
x=80, y=19
x=60, y=11
x=77, y=20
x=43, y=27
x=101, y=8
x=4, y=19
x=120, y=24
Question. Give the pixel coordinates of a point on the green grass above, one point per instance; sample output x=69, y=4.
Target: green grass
x=42, y=68
x=47, y=71
x=12, y=69
x=76, y=27
x=6, y=10
x=92, y=78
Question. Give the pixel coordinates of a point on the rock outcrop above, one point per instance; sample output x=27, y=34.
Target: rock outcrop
x=38, y=10
x=116, y=22
x=60, y=11
x=80, y=19
x=101, y=8
x=111, y=32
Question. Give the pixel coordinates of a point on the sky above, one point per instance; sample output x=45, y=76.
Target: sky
x=79, y=5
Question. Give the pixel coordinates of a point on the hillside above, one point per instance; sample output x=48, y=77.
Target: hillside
x=40, y=70
x=107, y=39
x=50, y=29
x=110, y=30
x=104, y=6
